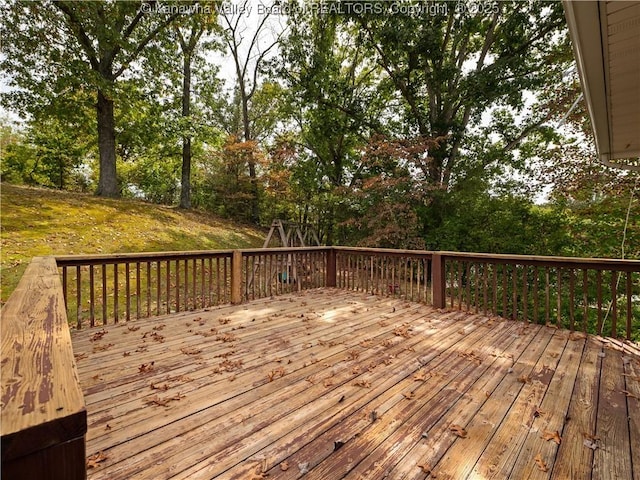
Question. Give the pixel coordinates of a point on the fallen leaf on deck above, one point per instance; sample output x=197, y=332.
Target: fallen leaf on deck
x=629, y=394
x=555, y=436
x=524, y=379
x=355, y=370
x=142, y=349
x=107, y=427
x=94, y=460
x=146, y=367
x=458, y=430
x=363, y=383
x=590, y=444
x=277, y=373
x=284, y=466
x=540, y=463
x=157, y=337
x=98, y=335
x=425, y=467
x=421, y=376
x=409, y=395
x=126, y=354
x=353, y=354
x=163, y=387
x=80, y=356
x=224, y=321
x=133, y=328
x=387, y=343
x=159, y=327
x=227, y=338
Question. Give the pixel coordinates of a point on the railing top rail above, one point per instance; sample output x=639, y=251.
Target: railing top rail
x=570, y=262
x=72, y=260
x=266, y=251
x=42, y=402
x=576, y=262
x=386, y=251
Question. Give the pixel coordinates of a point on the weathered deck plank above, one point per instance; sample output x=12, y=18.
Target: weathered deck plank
x=333, y=384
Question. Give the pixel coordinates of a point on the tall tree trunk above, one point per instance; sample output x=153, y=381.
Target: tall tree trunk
x=185, y=191
x=108, y=182
x=246, y=122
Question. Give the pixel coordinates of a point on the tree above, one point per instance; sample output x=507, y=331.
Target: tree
x=61, y=46
x=449, y=63
x=332, y=106
x=249, y=61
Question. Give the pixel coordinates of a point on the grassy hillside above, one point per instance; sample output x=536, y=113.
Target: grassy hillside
x=47, y=222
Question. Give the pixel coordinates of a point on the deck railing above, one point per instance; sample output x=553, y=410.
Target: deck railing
x=43, y=413
x=590, y=295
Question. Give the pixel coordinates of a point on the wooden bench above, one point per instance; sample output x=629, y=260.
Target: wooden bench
x=44, y=420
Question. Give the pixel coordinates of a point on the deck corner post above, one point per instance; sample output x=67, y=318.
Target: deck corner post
x=438, y=281
x=331, y=268
x=236, y=277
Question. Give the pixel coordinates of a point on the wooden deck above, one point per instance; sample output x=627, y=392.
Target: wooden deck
x=330, y=384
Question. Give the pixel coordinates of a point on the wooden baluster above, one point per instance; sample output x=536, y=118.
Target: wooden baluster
x=525, y=293
x=535, y=295
x=614, y=304
x=78, y=298
x=460, y=286
x=138, y=291
x=571, y=298
x=104, y=294
x=559, y=300
x=225, y=279
x=148, y=288
x=628, y=295
x=64, y=287
x=92, y=298
x=514, y=293
x=218, y=281
x=158, y=286
x=127, y=292
x=599, y=300
x=469, y=302
x=504, y=290
x=194, y=285
x=547, y=297
x=585, y=299
x=485, y=289
x=116, y=307
x=210, y=288
x=186, y=284
x=494, y=284
x=168, y=282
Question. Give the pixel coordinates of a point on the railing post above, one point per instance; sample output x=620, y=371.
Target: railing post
x=438, y=281
x=331, y=268
x=236, y=277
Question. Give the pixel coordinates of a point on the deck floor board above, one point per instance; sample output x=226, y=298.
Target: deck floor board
x=331, y=384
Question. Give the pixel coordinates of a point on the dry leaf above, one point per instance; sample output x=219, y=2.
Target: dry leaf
x=133, y=328
x=353, y=355
x=164, y=387
x=224, y=321
x=102, y=348
x=409, y=395
x=363, y=383
x=458, y=430
x=284, y=466
x=146, y=367
x=524, y=379
x=555, y=436
x=94, y=460
x=98, y=335
x=80, y=356
x=159, y=327
x=426, y=468
x=421, y=376
x=540, y=463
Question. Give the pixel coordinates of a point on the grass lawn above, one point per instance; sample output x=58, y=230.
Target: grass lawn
x=37, y=222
